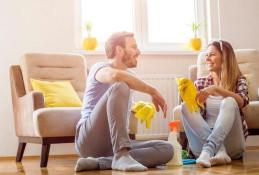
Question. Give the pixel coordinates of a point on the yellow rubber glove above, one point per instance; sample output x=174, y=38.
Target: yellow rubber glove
x=188, y=93
x=144, y=111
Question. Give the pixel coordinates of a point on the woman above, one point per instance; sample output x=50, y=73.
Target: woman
x=217, y=133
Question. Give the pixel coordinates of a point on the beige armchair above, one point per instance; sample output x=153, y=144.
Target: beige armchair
x=248, y=60
x=33, y=122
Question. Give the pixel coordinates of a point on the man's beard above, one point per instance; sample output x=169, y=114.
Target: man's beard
x=126, y=60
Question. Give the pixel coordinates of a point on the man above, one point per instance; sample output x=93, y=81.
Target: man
x=101, y=138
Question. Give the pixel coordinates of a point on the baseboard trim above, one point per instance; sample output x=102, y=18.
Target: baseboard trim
x=38, y=157
x=252, y=147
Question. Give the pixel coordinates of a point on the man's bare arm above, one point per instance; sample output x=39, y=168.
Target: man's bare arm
x=110, y=75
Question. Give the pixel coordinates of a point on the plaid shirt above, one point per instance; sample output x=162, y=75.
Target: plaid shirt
x=241, y=89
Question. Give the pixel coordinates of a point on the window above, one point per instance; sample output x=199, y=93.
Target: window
x=157, y=24
x=106, y=17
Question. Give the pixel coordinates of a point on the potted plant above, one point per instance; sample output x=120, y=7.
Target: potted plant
x=195, y=42
x=89, y=43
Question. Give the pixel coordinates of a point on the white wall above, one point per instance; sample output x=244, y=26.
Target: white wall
x=30, y=26
x=39, y=26
x=239, y=22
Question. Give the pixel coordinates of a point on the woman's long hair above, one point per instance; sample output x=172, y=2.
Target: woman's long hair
x=230, y=71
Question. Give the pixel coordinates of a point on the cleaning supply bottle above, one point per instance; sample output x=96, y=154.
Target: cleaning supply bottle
x=172, y=138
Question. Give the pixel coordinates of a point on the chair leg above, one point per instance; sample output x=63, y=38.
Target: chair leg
x=132, y=136
x=20, y=151
x=44, y=155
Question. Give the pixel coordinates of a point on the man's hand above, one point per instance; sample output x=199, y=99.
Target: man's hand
x=159, y=102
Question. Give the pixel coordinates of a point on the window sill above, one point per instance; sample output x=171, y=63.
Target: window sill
x=145, y=52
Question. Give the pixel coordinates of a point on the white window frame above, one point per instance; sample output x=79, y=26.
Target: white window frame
x=140, y=29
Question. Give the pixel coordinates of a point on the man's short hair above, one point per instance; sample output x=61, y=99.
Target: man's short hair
x=116, y=39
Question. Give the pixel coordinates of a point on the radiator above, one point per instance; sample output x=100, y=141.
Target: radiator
x=166, y=85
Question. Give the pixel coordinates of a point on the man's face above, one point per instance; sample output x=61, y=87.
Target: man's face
x=131, y=52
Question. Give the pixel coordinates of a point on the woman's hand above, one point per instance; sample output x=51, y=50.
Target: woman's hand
x=204, y=93
x=211, y=90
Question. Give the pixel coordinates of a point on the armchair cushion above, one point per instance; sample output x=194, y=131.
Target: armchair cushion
x=56, y=121
x=57, y=93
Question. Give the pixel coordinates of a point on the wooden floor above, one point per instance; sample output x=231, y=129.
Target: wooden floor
x=64, y=165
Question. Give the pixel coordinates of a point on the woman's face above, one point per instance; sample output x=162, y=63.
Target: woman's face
x=213, y=59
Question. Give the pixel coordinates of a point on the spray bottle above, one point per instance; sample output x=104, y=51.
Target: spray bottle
x=172, y=138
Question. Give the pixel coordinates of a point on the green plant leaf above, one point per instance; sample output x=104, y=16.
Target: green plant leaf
x=88, y=26
x=195, y=28
x=185, y=154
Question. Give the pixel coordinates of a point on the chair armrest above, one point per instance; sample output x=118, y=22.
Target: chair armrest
x=193, y=72
x=34, y=100
x=251, y=113
x=177, y=115
x=23, y=104
x=23, y=112
x=179, y=98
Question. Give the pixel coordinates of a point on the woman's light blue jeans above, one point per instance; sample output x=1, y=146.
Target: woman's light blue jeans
x=227, y=131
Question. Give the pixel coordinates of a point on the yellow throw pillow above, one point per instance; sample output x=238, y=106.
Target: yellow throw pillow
x=57, y=93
